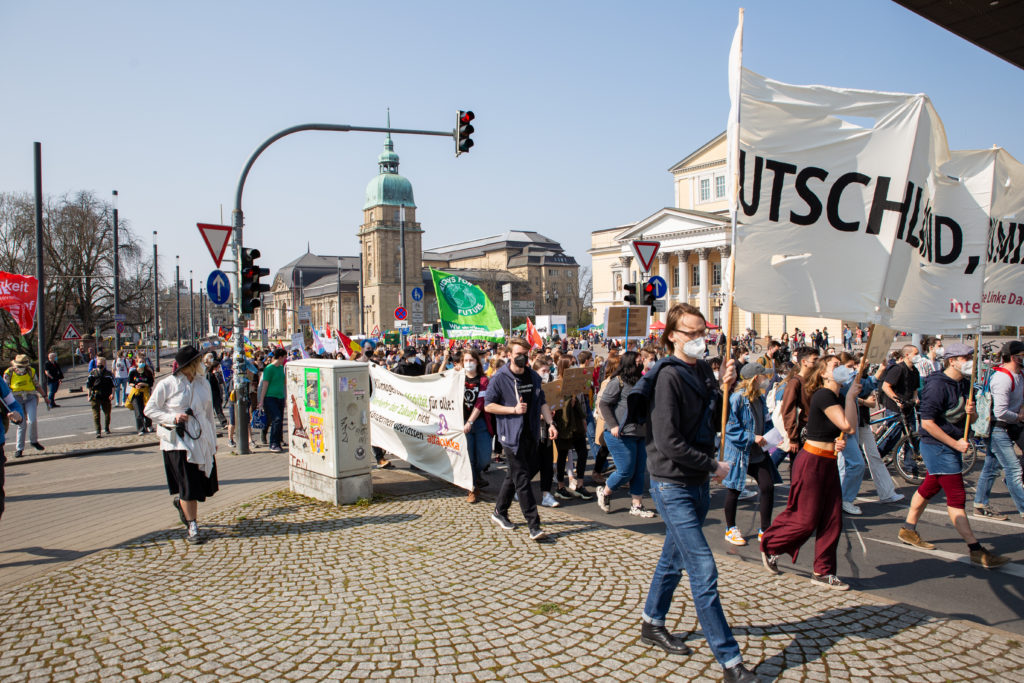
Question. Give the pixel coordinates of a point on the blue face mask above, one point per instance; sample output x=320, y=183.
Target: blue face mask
x=843, y=374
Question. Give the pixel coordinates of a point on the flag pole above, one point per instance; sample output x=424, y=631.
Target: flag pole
x=974, y=378
x=735, y=77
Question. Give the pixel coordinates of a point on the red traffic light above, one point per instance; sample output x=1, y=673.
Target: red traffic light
x=648, y=288
x=466, y=116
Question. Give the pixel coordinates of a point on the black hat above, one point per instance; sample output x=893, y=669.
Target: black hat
x=185, y=355
x=410, y=352
x=1013, y=348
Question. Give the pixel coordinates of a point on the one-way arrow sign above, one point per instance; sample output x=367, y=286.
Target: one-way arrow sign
x=216, y=238
x=218, y=287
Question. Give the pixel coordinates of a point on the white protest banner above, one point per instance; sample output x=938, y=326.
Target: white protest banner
x=420, y=420
x=838, y=208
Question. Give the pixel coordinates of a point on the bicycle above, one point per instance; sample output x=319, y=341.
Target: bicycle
x=899, y=446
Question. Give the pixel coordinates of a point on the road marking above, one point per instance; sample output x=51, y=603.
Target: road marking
x=942, y=512
x=1010, y=568
x=859, y=537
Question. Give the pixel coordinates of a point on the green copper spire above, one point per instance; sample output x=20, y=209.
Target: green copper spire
x=388, y=188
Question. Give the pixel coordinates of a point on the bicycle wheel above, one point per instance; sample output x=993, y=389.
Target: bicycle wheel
x=970, y=457
x=757, y=348
x=912, y=472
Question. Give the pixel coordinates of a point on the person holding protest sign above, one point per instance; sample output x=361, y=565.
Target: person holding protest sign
x=815, y=494
x=514, y=396
x=946, y=410
x=477, y=426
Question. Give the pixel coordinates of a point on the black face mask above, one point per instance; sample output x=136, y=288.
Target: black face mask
x=520, y=360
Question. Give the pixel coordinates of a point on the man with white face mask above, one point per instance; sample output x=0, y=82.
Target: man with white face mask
x=945, y=412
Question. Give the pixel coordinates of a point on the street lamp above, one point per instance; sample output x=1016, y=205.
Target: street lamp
x=191, y=311
x=177, y=296
x=117, y=271
x=156, y=304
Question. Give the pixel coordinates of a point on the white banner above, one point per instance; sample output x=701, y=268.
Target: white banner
x=420, y=420
x=844, y=213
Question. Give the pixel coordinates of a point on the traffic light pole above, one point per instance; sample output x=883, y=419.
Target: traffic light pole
x=237, y=222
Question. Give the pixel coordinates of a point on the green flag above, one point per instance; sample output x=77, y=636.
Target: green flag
x=465, y=311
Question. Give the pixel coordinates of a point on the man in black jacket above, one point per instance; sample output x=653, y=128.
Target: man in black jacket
x=101, y=390
x=410, y=365
x=684, y=416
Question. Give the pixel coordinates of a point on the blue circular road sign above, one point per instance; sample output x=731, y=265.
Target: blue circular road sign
x=417, y=294
x=401, y=313
x=660, y=286
x=218, y=287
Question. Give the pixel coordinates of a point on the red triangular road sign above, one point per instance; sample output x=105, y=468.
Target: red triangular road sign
x=71, y=334
x=645, y=253
x=216, y=238
x=375, y=332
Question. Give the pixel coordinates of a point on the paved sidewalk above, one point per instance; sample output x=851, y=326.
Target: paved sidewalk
x=423, y=586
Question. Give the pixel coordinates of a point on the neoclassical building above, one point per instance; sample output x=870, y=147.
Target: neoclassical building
x=694, y=255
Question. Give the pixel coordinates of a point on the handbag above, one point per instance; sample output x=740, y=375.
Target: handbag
x=982, y=426
x=599, y=424
x=259, y=419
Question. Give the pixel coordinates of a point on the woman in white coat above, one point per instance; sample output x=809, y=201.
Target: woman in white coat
x=182, y=408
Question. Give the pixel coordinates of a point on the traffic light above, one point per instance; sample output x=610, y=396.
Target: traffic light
x=649, y=297
x=631, y=293
x=250, y=285
x=463, y=129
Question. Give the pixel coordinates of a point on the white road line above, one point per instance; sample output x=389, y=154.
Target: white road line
x=936, y=511
x=1011, y=568
x=859, y=537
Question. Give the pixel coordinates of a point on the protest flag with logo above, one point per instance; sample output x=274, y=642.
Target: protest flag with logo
x=18, y=296
x=465, y=310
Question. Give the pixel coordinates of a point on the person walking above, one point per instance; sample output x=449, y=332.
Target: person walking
x=100, y=384
x=213, y=376
x=54, y=377
x=140, y=386
x=22, y=380
x=515, y=398
x=795, y=406
x=815, y=494
x=1007, y=387
x=625, y=441
x=182, y=407
x=684, y=401
x=120, y=379
x=10, y=410
x=271, y=397
x=945, y=413
x=477, y=427
x=747, y=424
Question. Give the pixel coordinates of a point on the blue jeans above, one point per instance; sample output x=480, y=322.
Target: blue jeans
x=684, y=509
x=120, y=390
x=851, y=468
x=478, y=444
x=1001, y=446
x=629, y=454
x=51, y=390
x=275, y=414
x=29, y=424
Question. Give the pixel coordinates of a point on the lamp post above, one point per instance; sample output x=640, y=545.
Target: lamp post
x=117, y=272
x=339, y=295
x=191, y=311
x=156, y=304
x=177, y=296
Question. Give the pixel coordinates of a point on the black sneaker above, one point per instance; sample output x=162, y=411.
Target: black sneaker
x=830, y=581
x=538, y=535
x=38, y=446
x=98, y=435
x=181, y=513
x=770, y=562
x=562, y=493
x=503, y=521
x=193, y=537
x=582, y=492
x=19, y=454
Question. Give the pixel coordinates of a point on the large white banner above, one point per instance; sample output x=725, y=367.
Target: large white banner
x=420, y=420
x=996, y=181
x=843, y=210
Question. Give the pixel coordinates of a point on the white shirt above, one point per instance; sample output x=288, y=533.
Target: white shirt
x=172, y=396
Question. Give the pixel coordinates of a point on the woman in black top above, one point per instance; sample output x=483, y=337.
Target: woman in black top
x=140, y=384
x=815, y=494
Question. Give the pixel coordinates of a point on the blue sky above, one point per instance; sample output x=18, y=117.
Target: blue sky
x=581, y=106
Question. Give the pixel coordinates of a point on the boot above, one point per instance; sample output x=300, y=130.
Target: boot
x=660, y=637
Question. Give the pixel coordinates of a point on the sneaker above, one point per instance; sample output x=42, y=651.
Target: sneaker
x=582, y=492
x=987, y=559
x=760, y=535
x=989, y=512
x=472, y=497
x=503, y=521
x=851, y=509
x=231, y=443
x=98, y=435
x=181, y=513
x=275, y=449
x=107, y=430
x=895, y=498
x=38, y=446
x=140, y=432
x=830, y=581
x=548, y=501
x=193, y=536
x=748, y=494
x=602, y=499
x=563, y=493
x=19, y=454
x=733, y=535
x=770, y=562
x=912, y=538
x=640, y=511
x=538, y=535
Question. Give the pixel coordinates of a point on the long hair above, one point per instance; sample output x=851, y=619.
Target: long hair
x=751, y=388
x=816, y=380
x=613, y=364
x=628, y=371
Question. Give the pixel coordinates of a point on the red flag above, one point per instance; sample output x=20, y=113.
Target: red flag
x=18, y=296
x=532, y=335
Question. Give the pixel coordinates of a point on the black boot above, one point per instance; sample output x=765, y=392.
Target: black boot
x=739, y=674
x=659, y=636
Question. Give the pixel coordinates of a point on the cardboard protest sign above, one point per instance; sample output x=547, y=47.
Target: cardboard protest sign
x=576, y=381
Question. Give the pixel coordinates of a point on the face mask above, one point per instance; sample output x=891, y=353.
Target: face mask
x=695, y=348
x=967, y=368
x=544, y=376
x=470, y=366
x=716, y=373
x=939, y=351
x=520, y=360
x=842, y=374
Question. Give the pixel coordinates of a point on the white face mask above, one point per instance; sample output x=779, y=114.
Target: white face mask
x=939, y=351
x=470, y=366
x=967, y=368
x=544, y=376
x=695, y=348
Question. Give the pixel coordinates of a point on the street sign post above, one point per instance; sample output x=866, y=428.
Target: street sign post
x=660, y=286
x=659, y=306
x=401, y=313
x=645, y=251
x=218, y=287
x=216, y=238
x=119, y=326
x=120, y=317
x=506, y=292
x=305, y=314
x=417, y=294
x=523, y=308
x=71, y=334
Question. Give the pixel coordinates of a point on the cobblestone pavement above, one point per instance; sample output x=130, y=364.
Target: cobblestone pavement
x=425, y=587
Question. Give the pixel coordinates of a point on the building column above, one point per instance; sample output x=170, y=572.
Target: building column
x=626, y=262
x=665, y=272
x=705, y=287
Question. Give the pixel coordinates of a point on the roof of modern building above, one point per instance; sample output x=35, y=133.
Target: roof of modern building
x=513, y=239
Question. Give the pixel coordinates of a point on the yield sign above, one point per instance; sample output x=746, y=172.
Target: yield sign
x=216, y=238
x=71, y=334
x=645, y=253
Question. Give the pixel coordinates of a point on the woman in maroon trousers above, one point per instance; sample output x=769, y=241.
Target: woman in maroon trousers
x=815, y=494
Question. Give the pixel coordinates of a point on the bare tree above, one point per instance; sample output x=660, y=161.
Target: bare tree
x=582, y=290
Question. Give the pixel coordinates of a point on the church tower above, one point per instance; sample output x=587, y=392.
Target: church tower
x=388, y=212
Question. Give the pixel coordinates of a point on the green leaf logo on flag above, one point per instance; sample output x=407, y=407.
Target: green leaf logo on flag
x=464, y=309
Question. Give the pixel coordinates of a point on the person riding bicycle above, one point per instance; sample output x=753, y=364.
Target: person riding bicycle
x=946, y=410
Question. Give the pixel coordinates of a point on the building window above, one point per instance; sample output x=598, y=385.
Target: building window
x=675, y=278
x=719, y=187
x=705, y=189
x=695, y=276
x=716, y=274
